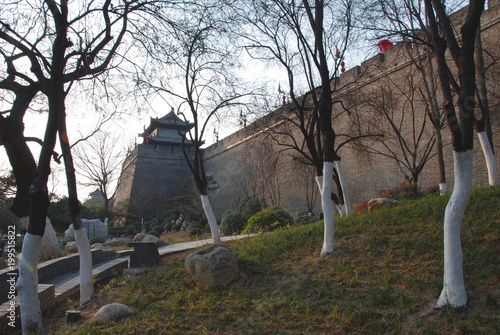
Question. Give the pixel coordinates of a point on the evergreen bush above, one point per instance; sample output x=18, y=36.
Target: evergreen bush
x=305, y=218
x=168, y=227
x=158, y=229
x=249, y=206
x=269, y=219
x=194, y=229
x=232, y=222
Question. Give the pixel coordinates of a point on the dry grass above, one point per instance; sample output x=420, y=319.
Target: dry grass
x=383, y=278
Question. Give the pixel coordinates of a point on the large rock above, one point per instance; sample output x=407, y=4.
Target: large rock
x=112, y=312
x=94, y=228
x=116, y=242
x=157, y=241
x=214, y=266
x=50, y=246
x=381, y=202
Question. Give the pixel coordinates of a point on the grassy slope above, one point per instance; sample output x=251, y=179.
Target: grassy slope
x=383, y=278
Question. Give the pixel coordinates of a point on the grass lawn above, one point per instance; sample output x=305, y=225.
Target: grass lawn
x=383, y=278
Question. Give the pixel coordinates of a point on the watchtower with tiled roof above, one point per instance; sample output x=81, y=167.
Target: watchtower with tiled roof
x=156, y=169
x=167, y=130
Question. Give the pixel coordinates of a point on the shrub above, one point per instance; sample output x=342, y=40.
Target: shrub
x=305, y=218
x=169, y=226
x=95, y=240
x=158, y=229
x=130, y=231
x=232, y=222
x=401, y=191
x=194, y=229
x=268, y=219
x=248, y=207
x=207, y=228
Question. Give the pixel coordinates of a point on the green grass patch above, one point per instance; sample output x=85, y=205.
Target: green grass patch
x=383, y=278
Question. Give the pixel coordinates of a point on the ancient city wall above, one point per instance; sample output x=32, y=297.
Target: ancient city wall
x=238, y=162
x=152, y=172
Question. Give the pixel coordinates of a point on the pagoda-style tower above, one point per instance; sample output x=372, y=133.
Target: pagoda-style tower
x=156, y=169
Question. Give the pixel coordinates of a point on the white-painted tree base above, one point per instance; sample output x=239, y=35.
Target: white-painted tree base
x=27, y=285
x=86, y=285
x=342, y=209
x=442, y=188
x=212, y=221
x=328, y=212
x=491, y=164
x=345, y=190
x=49, y=248
x=453, y=292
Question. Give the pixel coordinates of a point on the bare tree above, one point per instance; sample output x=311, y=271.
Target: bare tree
x=303, y=38
x=98, y=163
x=56, y=40
x=483, y=124
x=393, y=110
x=461, y=126
x=262, y=168
x=197, y=55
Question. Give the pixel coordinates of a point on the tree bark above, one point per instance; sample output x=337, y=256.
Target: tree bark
x=453, y=292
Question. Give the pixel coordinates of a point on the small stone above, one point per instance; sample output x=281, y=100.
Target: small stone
x=116, y=242
x=138, y=237
x=157, y=241
x=71, y=247
x=112, y=312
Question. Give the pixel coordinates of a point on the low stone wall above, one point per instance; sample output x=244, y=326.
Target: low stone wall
x=51, y=269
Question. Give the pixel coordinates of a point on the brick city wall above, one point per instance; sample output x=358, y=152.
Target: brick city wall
x=235, y=161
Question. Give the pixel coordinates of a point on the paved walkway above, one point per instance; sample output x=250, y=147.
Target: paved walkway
x=195, y=244
x=69, y=283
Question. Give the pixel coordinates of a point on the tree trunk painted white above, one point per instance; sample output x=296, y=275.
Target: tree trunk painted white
x=345, y=189
x=453, y=292
x=27, y=285
x=50, y=246
x=319, y=182
x=209, y=213
x=491, y=163
x=327, y=206
x=86, y=285
x=342, y=209
x=442, y=188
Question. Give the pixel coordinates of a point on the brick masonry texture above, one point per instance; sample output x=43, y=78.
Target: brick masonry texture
x=243, y=162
